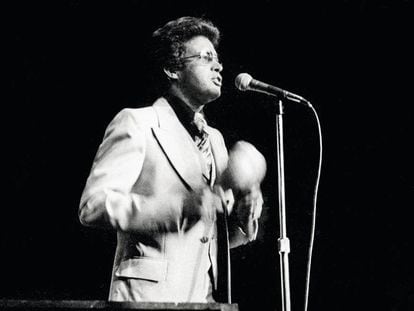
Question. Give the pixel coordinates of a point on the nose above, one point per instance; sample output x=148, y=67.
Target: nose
x=218, y=67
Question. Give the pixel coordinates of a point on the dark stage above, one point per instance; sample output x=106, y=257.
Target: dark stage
x=75, y=64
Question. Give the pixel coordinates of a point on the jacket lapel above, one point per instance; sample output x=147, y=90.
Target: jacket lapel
x=177, y=145
x=219, y=152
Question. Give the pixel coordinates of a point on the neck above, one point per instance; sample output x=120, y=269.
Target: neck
x=191, y=103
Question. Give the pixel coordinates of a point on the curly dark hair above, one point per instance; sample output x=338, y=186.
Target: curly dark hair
x=168, y=41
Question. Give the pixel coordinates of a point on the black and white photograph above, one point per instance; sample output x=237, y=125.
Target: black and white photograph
x=208, y=155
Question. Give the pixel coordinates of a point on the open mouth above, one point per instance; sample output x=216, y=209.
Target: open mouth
x=217, y=81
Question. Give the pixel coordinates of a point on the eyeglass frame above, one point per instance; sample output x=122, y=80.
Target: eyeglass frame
x=207, y=56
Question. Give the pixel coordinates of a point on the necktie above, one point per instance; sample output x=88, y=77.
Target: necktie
x=202, y=141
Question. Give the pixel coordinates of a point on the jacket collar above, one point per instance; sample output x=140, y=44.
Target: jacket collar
x=179, y=147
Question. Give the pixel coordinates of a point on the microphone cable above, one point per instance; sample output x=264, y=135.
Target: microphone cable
x=313, y=224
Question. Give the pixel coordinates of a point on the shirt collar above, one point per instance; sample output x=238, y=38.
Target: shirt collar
x=184, y=113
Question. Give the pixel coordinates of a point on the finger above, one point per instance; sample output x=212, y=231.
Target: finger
x=258, y=206
x=226, y=199
x=257, y=211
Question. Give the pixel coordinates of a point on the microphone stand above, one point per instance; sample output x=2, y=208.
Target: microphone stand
x=283, y=241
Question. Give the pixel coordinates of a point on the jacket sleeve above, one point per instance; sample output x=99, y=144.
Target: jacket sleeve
x=107, y=200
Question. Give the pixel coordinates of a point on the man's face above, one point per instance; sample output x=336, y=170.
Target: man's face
x=200, y=79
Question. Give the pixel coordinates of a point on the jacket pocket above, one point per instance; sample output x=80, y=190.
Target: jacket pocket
x=143, y=268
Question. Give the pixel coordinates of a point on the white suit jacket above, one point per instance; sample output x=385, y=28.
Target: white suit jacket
x=142, y=172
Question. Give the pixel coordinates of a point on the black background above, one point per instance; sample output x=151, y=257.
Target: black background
x=75, y=64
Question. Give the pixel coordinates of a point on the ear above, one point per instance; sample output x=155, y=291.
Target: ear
x=172, y=75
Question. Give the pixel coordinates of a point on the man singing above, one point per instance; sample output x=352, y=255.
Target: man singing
x=156, y=179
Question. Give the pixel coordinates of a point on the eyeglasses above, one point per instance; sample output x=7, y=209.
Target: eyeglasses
x=206, y=57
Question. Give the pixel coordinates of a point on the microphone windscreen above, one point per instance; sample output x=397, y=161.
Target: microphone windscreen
x=246, y=167
x=242, y=81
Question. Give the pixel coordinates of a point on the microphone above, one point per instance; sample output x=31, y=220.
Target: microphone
x=245, y=82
